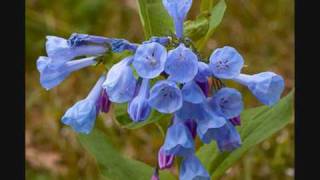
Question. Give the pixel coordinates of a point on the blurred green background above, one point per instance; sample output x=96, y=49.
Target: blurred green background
x=263, y=31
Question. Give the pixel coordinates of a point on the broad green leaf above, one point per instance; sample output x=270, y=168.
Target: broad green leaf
x=112, y=164
x=206, y=5
x=216, y=15
x=196, y=29
x=154, y=18
x=258, y=124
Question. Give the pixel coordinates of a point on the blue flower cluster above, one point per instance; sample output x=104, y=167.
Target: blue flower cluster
x=191, y=90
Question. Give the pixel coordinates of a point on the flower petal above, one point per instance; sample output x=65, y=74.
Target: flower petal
x=226, y=63
x=165, y=97
x=178, y=141
x=191, y=92
x=192, y=169
x=182, y=64
x=149, y=60
x=120, y=82
x=227, y=102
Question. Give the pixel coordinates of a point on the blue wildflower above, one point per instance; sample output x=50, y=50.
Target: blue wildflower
x=165, y=97
x=178, y=141
x=266, y=86
x=120, y=83
x=226, y=63
x=138, y=107
x=192, y=169
x=60, y=51
x=178, y=10
x=149, y=60
x=227, y=102
x=117, y=45
x=192, y=93
x=81, y=116
x=227, y=137
x=51, y=76
x=182, y=64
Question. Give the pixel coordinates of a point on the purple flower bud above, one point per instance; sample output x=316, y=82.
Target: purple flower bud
x=236, y=121
x=165, y=161
x=104, y=102
x=204, y=87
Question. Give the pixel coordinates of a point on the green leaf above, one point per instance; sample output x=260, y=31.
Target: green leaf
x=154, y=18
x=196, y=29
x=258, y=124
x=206, y=5
x=216, y=15
x=112, y=164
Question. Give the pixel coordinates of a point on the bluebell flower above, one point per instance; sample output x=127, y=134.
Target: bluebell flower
x=51, y=76
x=192, y=93
x=178, y=10
x=149, y=60
x=81, y=116
x=227, y=102
x=116, y=45
x=165, y=97
x=226, y=63
x=203, y=72
x=182, y=64
x=60, y=51
x=266, y=86
x=120, y=83
x=198, y=112
x=178, y=141
x=227, y=137
x=138, y=107
x=165, y=161
x=192, y=169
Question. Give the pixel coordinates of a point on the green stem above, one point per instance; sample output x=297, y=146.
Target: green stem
x=160, y=129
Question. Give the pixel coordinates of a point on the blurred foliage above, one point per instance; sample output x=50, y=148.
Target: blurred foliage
x=261, y=30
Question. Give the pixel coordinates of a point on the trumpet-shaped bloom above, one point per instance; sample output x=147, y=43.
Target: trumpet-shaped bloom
x=198, y=112
x=149, y=60
x=120, y=83
x=60, y=51
x=138, y=107
x=116, y=45
x=182, y=64
x=227, y=102
x=227, y=137
x=206, y=128
x=165, y=161
x=192, y=93
x=165, y=97
x=192, y=169
x=266, y=86
x=81, y=116
x=203, y=72
x=178, y=141
x=226, y=63
x=178, y=10
x=50, y=76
